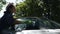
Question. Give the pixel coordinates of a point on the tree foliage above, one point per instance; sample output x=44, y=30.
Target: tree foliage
x=30, y=8
x=37, y=8
x=2, y=2
x=53, y=9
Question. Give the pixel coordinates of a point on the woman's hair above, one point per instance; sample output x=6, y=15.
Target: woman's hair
x=10, y=6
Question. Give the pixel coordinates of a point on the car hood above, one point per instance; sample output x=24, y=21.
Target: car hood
x=43, y=31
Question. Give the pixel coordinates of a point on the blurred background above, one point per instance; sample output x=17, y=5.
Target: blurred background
x=34, y=15
x=49, y=9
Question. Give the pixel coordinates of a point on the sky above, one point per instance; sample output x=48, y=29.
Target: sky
x=14, y=1
x=8, y=1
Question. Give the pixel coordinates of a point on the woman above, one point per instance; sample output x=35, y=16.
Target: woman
x=7, y=20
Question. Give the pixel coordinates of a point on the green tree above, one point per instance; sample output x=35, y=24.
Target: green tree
x=2, y=2
x=30, y=8
x=53, y=9
x=46, y=8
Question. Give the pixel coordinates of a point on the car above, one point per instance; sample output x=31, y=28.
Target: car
x=28, y=22
x=38, y=23
x=34, y=24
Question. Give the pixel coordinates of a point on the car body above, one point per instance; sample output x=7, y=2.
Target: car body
x=35, y=25
x=38, y=23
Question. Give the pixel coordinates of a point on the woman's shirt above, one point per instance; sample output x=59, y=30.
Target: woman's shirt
x=7, y=20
